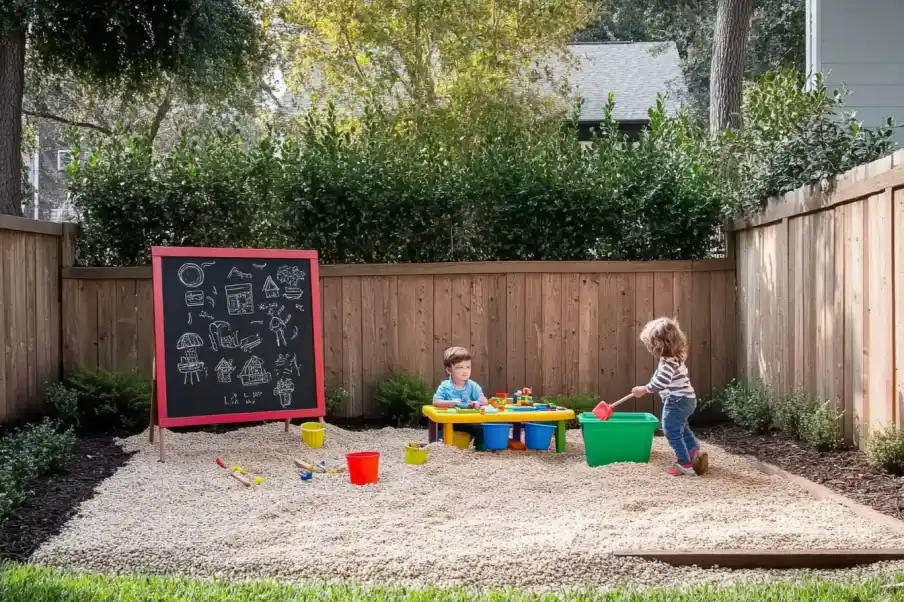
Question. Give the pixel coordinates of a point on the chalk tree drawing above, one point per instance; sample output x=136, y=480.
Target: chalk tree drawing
x=239, y=299
x=290, y=275
x=189, y=365
x=194, y=298
x=283, y=390
x=271, y=290
x=224, y=371
x=191, y=275
x=278, y=326
x=237, y=273
x=288, y=365
x=253, y=373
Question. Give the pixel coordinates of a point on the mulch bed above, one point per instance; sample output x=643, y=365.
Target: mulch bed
x=57, y=497
x=845, y=472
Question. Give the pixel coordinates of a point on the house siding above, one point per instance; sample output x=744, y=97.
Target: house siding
x=859, y=45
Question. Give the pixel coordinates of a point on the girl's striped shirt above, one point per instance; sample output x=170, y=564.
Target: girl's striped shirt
x=671, y=379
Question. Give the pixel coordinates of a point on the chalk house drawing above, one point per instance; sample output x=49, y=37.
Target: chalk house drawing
x=253, y=373
x=271, y=290
x=283, y=390
x=191, y=275
x=224, y=371
x=278, y=326
x=189, y=364
x=239, y=299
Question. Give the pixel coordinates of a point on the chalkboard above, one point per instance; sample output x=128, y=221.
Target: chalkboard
x=238, y=335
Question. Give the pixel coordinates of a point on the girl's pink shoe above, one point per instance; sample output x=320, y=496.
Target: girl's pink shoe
x=678, y=469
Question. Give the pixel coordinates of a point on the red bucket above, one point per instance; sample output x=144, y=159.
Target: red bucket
x=363, y=467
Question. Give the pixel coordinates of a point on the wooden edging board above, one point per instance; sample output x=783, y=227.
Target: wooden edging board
x=786, y=559
x=766, y=559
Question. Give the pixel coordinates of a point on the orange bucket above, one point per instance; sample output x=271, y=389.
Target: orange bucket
x=363, y=467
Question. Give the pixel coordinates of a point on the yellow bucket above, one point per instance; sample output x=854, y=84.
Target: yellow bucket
x=461, y=440
x=415, y=454
x=312, y=434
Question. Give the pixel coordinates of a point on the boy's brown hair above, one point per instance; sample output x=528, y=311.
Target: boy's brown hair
x=454, y=355
x=663, y=337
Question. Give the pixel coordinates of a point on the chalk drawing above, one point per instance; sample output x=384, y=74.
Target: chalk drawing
x=239, y=299
x=224, y=371
x=239, y=274
x=253, y=373
x=191, y=275
x=190, y=366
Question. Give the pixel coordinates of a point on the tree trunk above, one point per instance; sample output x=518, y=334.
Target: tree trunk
x=726, y=79
x=12, y=85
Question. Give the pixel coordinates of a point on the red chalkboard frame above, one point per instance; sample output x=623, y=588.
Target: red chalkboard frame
x=163, y=420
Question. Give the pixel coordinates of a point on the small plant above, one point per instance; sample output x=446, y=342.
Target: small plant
x=110, y=400
x=885, y=449
x=788, y=411
x=334, y=400
x=579, y=403
x=748, y=406
x=61, y=403
x=28, y=453
x=400, y=396
x=822, y=427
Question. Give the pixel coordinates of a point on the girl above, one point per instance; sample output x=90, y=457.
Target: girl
x=664, y=339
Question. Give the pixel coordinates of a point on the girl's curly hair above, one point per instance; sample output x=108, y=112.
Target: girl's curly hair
x=663, y=337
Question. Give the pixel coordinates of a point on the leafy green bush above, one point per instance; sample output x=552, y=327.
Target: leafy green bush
x=334, y=400
x=822, y=427
x=400, y=396
x=885, y=449
x=788, y=411
x=747, y=405
x=578, y=402
x=795, y=136
x=111, y=400
x=28, y=453
x=61, y=403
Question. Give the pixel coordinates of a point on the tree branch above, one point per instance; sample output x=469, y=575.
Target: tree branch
x=162, y=110
x=81, y=124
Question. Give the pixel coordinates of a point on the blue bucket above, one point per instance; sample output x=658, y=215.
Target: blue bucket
x=538, y=436
x=496, y=435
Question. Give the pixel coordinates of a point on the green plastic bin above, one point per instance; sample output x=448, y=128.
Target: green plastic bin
x=625, y=437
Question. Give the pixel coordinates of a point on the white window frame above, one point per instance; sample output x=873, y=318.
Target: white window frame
x=62, y=165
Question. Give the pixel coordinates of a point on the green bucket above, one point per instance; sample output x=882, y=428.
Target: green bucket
x=625, y=437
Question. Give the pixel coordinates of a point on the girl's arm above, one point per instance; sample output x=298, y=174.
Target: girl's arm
x=663, y=376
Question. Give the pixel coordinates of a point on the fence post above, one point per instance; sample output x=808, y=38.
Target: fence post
x=67, y=260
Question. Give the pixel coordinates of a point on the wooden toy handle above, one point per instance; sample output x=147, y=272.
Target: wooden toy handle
x=622, y=400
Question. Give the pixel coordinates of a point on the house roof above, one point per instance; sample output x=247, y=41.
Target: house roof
x=634, y=71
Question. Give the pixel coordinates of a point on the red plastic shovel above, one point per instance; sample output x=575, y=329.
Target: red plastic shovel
x=603, y=410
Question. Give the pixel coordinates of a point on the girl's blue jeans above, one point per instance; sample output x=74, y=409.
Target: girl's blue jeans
x=675, y=412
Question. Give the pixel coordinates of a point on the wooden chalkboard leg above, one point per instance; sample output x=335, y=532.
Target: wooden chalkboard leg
x=162, y=447
x=287, y=425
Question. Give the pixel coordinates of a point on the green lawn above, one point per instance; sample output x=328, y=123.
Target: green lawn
x=27, y=583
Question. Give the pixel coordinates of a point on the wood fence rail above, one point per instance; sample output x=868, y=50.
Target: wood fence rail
x=821, y=294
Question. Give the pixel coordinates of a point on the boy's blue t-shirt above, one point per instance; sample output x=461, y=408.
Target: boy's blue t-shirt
x=447, y=391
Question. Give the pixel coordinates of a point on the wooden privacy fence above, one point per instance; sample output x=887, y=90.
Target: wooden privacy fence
x=558, y=327
x=821, y=294
x=30, y=257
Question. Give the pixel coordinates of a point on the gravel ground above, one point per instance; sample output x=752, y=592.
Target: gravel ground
x=455, y=521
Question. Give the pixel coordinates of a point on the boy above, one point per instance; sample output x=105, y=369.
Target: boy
x=459, y=390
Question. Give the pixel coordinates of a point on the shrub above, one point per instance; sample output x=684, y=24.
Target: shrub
x=111, y=400
x=885, y=449
x=822, y=427
x=579, y=403
x=61, y=403
x=788, y=411
x=28, y=453
x=334, y=400
x=748, y=406
x=400, y=396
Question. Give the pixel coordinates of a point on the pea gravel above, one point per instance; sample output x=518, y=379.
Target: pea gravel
x=513, y=519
